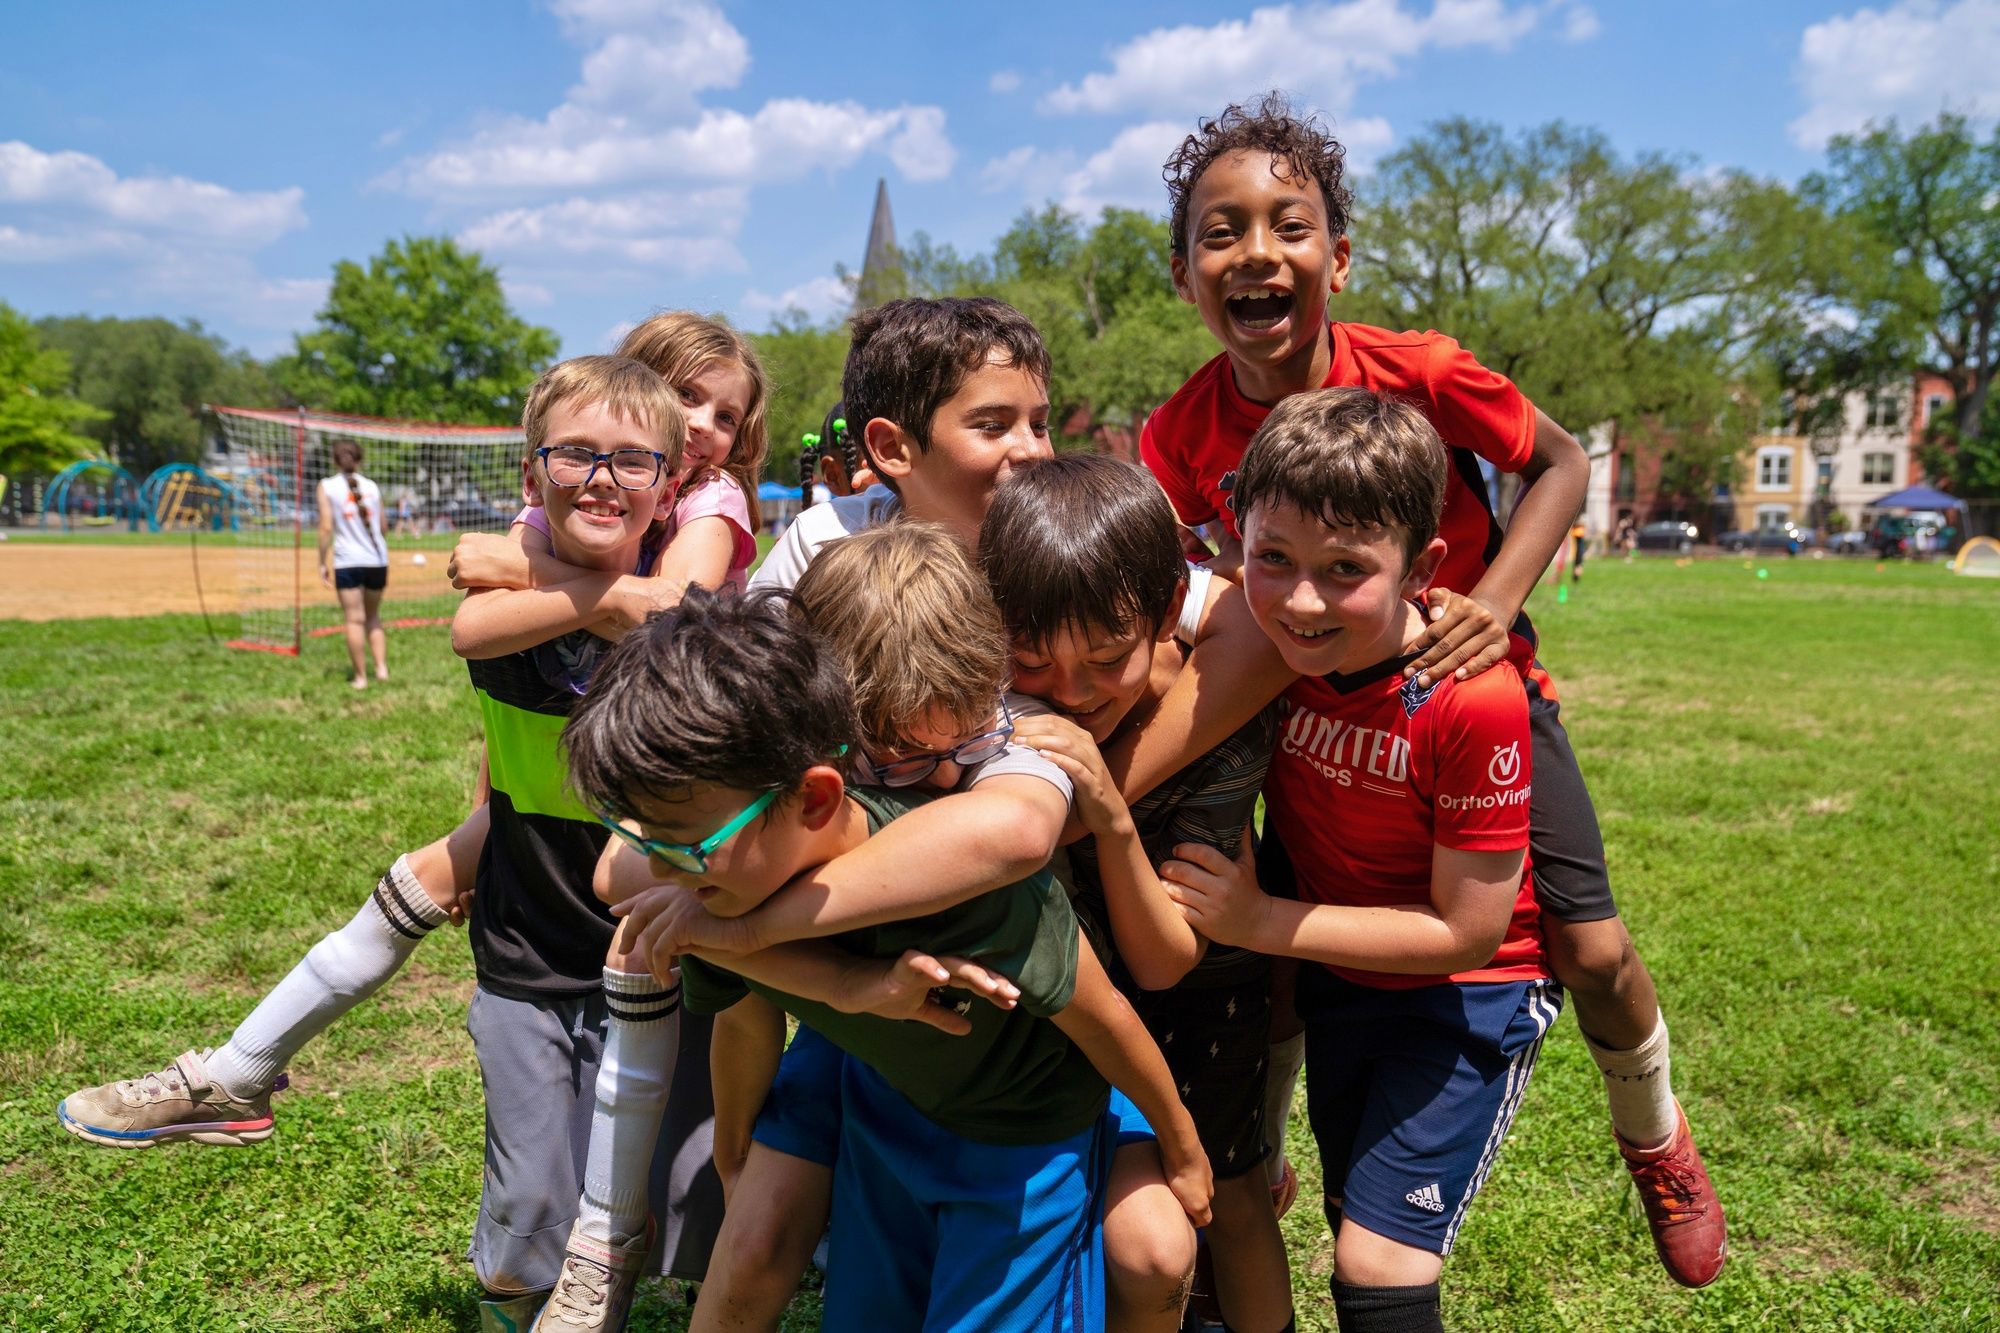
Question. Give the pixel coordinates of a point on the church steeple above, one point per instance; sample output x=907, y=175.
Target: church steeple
x=881, y=265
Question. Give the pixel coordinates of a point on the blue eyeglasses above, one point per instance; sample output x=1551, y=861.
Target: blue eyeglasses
x=570, y=466
x=693, y=856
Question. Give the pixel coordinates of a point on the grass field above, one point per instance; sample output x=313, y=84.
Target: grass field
x=1796, y=778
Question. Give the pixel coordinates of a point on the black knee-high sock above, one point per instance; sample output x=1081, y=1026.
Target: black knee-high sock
x=1387, y=1309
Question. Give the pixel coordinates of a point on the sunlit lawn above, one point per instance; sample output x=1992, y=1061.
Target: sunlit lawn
x=1796, y=777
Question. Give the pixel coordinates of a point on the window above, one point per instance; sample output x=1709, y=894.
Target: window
x=1626, y=486
x=1878, y=469
x=1773, y=518
x=1885, y=410
x=1935, y=407
x=1774, y=468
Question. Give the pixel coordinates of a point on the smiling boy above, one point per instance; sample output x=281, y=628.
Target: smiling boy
x=1258, y=229
x=1425, y=993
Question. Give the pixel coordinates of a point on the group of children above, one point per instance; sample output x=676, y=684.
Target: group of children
x=964, y=781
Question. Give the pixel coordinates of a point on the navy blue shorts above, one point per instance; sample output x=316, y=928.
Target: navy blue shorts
x=372, y=577
x=933, y=1231
x=1410, y=1093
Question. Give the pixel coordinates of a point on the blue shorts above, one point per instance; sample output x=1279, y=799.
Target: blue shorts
x=801, y=1114
x=372, y=577
x=1410, y=1093
x=933, y=1231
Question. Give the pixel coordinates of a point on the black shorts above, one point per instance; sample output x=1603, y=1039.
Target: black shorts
x=372, y=577
x=1565, y=847
x=1571, y=880
x=1216, y=1039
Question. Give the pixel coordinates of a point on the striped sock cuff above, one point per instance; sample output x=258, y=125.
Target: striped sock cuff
x=403, y=902
x=638, y=997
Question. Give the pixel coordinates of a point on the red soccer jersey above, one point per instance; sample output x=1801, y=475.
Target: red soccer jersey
x=1196, y=438
x=1371, y=772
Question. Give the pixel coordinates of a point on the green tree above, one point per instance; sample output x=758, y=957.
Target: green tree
x=39, y=417
x=151, y=377
x=1926, y=200
x=803, y=361
x=424, y=332
x=1639, y=292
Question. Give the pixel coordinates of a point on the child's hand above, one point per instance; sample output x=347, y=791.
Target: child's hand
x=1218, y=895
x=669, y=919
x=489, y=560
x=1098, y=804
x=459, y=910
x=1462, y=639
x=326, y=576
x=1189, y=1177
x=910, y=988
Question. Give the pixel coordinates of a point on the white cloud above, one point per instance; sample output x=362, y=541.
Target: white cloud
x=165, y=238
x=522, y=293
x=1126, y=172
x=686, y=232
x=78, y=185
x=1579, y=23
x=1004, y=81
x=633, y=118
x=819, y=298
x=1319, y=51
x=1909, y=60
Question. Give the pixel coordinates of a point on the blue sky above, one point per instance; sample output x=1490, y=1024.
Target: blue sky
x=614, y=157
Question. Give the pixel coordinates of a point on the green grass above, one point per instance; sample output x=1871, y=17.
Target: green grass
x=1796, y=778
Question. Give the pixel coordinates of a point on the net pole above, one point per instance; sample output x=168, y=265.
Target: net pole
x=298, y=535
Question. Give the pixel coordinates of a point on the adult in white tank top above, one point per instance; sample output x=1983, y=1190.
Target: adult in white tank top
x=354, y=559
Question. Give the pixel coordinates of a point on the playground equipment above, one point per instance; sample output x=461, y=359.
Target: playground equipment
x=95, y=492
x=183, y=497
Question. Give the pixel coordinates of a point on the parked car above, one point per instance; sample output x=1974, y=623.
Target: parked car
x=1788, y=538
x=1669, y=535
x=1851, y=542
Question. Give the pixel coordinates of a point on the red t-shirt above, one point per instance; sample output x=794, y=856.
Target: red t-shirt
x=1370, y=773
x=1196, y=438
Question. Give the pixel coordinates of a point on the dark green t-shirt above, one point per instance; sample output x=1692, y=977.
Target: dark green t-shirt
x=1015, y=1078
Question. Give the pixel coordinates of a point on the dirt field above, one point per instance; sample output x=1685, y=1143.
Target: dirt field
x=64, y=581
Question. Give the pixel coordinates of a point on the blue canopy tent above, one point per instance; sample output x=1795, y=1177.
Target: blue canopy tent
x=780, y=504
x=1917, y=497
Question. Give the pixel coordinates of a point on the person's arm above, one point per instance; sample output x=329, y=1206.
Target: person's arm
x=1154, y=940
x=523, y=596
x=1468, y=634
x=1471, y=901
x=1102, y=1024
x=743, y=1055
x=1002, y=830
x=1231, y=674
x=325, y=537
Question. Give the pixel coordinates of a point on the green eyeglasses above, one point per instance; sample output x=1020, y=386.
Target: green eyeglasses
x=693, y=856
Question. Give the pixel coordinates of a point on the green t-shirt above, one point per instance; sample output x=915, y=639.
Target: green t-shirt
x=1015, y=1078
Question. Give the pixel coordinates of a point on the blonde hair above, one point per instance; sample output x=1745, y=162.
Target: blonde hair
x=679, y=345
x=628, y=388
x=914, y=624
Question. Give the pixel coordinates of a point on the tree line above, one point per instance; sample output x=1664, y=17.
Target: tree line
x=1685, y=309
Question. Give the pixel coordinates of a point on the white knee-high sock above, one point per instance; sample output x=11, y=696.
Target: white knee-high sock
x=1638, y=1085
x=642, y=1038
x=1281, y=1083
x=336, y=974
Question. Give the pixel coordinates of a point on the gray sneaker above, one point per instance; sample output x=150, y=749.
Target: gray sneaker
x=178, y=1102
x=594, y=1290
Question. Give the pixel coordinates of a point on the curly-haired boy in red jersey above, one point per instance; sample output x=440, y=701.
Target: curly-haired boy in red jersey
x=1259, y=217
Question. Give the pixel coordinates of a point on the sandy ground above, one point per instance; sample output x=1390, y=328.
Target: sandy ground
x=62, y=581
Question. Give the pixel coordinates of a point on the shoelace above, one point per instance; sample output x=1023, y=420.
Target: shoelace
x=582, y=1288
x=1675, y=1186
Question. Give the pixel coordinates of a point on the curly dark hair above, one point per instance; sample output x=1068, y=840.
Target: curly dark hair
x=1307, y=147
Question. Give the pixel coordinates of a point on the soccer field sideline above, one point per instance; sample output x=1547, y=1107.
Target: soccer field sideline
x=1791, y=773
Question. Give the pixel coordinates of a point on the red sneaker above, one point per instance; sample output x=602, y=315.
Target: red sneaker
x=1285, y=1191
x=1688, y=1228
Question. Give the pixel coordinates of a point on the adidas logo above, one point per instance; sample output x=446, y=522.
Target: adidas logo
x=1427, y=1197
